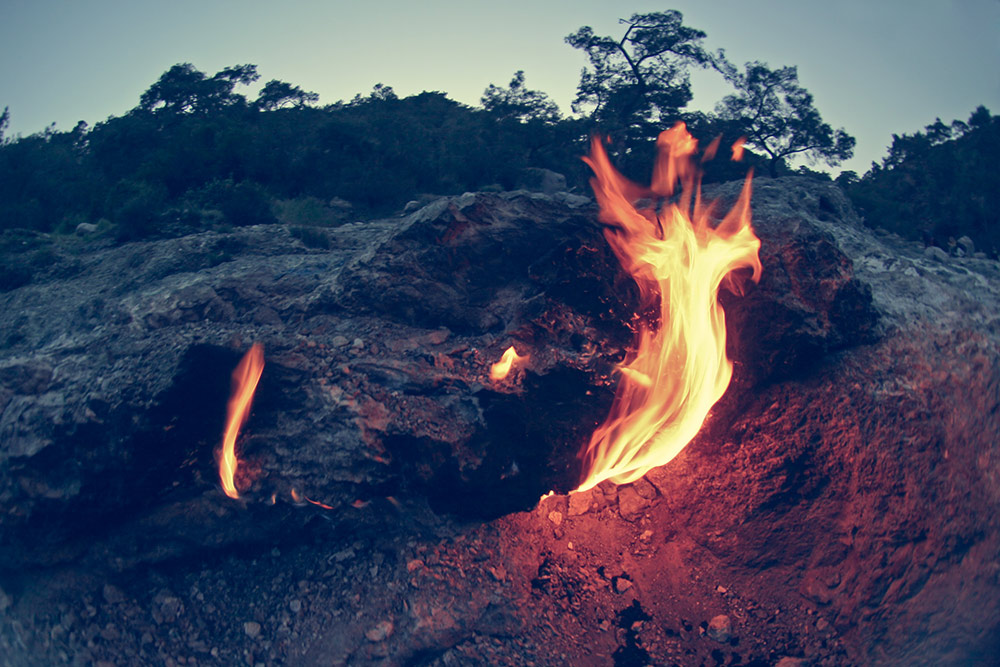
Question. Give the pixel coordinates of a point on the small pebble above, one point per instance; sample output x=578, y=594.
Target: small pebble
x=380, y=632
x=555, y=517
x=252, y=628
x=295, y=606
x=720, y=628
x=622, y=584
x=339, y=341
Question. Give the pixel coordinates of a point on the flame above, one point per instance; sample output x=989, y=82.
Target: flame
x=245, y=379
x=678, y=369
x=500, y=369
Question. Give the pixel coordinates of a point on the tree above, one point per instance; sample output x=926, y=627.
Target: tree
x=778, y=116
x=643, y=77
x=518, y=103
x=276, y=94
x=184, y=89
x=4, y=122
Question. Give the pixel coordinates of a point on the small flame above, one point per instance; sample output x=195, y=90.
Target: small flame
x=738, y=149
x=678, y=369
x=245, y=379
x=500, y=369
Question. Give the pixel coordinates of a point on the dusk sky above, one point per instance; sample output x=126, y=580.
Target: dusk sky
x=874, y=67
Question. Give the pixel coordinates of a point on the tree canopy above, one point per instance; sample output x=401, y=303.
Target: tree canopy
x=642, y=77
x=184, y=89
x=778, y=117
x=516, y=102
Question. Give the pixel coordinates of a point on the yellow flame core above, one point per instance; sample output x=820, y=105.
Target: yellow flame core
x=678, y=368
x=245, y=379
x=500, y=369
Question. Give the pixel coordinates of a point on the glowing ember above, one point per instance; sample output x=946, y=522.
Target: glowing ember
x=678, y=369
x=500, y=369
x=245, y=379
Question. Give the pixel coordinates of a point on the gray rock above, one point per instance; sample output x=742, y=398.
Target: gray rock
x=935, y=253
x=252, y=629
x=537, y=179
x=967, y=246
x=86, y=228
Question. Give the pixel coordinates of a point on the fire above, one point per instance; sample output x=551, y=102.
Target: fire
x=678, y=368
x=245, y=379
x=500, y=369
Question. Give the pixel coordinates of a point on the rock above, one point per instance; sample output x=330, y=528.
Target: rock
x=85, y=228
x=339, y=341
x=935, y=253
x=572, y=200
x=720, y=628
x=791, y=662
x=252, y=629
x=967, y=246
x=579, y=502
x=5, y=600
x=630, y=503
x=380, y=632
x=112, y=594
x=542, y=180
x=555, y=517
x=622, y=584
x=295, y=606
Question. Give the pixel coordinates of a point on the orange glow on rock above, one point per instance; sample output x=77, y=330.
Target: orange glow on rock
x=501, y=369
x=245, y=379
x=677, y=369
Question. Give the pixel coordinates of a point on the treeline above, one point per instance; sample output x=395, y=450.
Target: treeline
x=937, y=185
x=197, y=152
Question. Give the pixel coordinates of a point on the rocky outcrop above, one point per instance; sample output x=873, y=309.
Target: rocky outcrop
x=855, y=453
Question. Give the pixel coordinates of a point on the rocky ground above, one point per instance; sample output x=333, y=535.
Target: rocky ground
x=837, y=509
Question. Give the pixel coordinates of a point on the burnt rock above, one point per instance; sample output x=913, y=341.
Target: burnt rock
x=113, y=390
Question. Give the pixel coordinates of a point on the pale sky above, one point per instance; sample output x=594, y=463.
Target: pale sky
x=874, y=67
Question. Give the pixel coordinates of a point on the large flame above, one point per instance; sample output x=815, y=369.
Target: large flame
x=245, y=379
x=678, y=368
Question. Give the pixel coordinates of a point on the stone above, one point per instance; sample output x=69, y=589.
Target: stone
x=622, y=584
x=542, y=180
x=295, y=606
x=967, y=245
x=720, y=628
x=252, y=629
x=791, y=662
x=555, y=517
x=382, y=631
x=112, y=594
x=579, y=502
x=339, y=341
x=86, y=228
x=630, y=503
x=935, y=253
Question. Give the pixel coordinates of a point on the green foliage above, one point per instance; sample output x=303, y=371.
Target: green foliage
x=4, y=122
x=136, y=207
x=275, y=94
x=517, y=103
x=241, y=204
x=184, y=89
x=937, y=184
x=641, y=78
x=778, y=117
